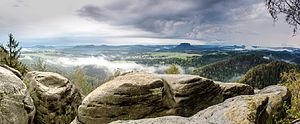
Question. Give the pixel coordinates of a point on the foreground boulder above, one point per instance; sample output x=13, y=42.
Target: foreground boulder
x=16, y=105
x=246, y=109
x=144, y=95
x=132, y=96
x=55, y=97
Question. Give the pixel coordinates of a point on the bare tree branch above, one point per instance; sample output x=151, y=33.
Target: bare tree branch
x=290, y=8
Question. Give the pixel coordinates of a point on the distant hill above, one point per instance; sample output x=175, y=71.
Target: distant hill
x=85, y=46
x=185, y=46
x=296, y=60
x=230, y=69
x=266, y=74
x=43, y=47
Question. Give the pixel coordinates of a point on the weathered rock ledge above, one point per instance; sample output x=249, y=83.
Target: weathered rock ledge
x=245, y=109
x=143, y=95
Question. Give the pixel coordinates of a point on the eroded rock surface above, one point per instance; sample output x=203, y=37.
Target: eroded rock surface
x=277, y=95
x=234, y=89
x=55, y=97
x=185, y=95
x=16, y=105
x=143, y=95
x=131, y=96
x=245, y=109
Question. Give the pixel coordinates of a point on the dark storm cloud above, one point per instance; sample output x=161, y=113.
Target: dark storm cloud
x=143, y=22
x=175, y=18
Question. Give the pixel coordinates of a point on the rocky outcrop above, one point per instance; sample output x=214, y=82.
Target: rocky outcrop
x=131, y=96
x=244, y=109
x=143, y=95
x=16, y=105
x=277, y=95
x=185, y=95
x=16, y=72
x=234, y=89
x=55, y=97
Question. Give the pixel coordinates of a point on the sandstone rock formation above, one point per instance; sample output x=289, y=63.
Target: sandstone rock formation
x=130, y=96
x=16, y=105
x=244, y=109
x=185, y=95
x=277, y=95
x=234, y=89
x=143, y=95
x=16, y=72
x=55, y=97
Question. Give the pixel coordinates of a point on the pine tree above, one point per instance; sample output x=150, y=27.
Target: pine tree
x=13, y=53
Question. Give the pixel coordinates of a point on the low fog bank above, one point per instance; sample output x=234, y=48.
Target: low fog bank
x=111, y=66
x=100, y=68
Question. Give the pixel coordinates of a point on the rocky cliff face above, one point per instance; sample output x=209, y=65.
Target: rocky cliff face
x=16, y=105
x=143, y=95
x=55, y=97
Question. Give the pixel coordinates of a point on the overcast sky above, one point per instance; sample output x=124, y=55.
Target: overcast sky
x=73, y=22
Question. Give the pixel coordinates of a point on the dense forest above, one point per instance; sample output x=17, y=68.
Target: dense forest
x=231, y=69
x=266, y=74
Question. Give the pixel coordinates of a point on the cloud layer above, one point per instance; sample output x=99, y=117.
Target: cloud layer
x=142, y=22
x=189, y=19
